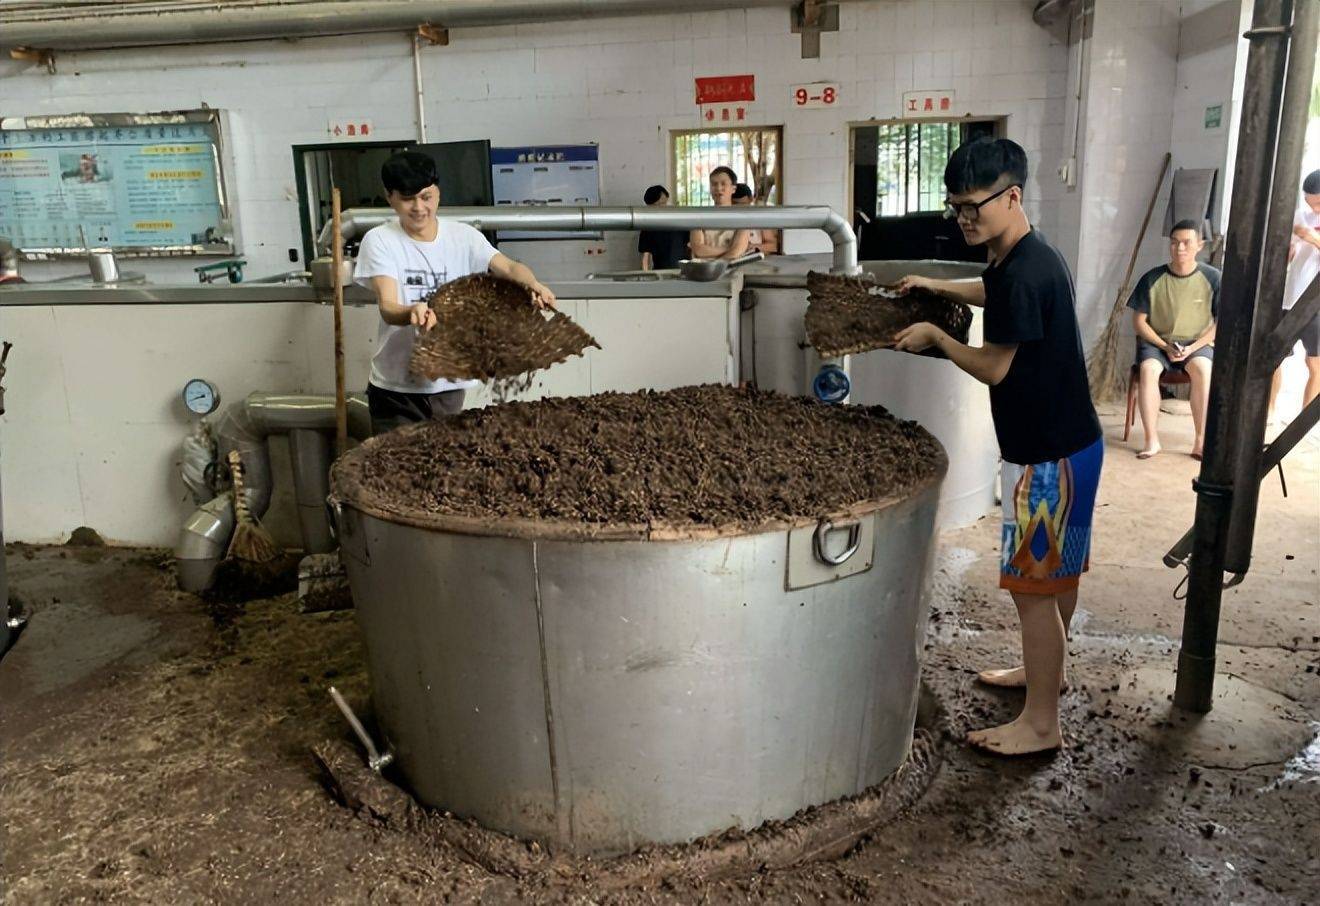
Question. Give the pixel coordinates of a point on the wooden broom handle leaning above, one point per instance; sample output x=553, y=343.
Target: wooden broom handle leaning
x=337, y=259
x=236, y=474
x=1141, y=236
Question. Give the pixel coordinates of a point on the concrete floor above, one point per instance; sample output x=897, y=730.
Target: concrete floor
x=155, y=748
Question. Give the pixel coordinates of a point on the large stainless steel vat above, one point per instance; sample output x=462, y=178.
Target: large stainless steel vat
x=602, y=694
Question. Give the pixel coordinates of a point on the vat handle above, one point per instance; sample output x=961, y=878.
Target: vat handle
x=823, y=528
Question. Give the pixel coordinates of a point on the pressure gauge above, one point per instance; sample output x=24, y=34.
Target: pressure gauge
x=201, y=397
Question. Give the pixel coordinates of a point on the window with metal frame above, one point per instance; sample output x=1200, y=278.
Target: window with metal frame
x=754, y=154
x=910, y=160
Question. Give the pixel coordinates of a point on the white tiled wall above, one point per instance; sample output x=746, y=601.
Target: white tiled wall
x=1129, y=79
x=626, y=82
x=621, y=82
x=94, y=423
x=1212, y=61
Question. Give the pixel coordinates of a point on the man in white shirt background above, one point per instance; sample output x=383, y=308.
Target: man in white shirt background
x=1303, y=266
x=403, y=262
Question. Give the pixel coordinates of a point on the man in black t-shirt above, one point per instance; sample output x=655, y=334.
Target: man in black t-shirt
x=661, y=249
x=1049, y=436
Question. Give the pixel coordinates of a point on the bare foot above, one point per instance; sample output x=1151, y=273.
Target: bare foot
x=1010, y=678
x=1197, y=449
x=1016, y=738
x=1149, y=452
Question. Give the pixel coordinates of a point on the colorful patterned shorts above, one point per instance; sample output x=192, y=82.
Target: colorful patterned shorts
x=1047, y=522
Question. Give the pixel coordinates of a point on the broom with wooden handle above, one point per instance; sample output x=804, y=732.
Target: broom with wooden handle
x=341, y=398
x=1106, y=378
x=250, y=542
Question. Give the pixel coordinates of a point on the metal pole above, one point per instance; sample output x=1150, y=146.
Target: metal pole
x=1246, y=239
x=417, y=84
x=1253, y=403
x=1280, y=447
x=4, y=579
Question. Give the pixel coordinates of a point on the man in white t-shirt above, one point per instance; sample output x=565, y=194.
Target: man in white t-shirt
x=404, y=262
x=1303, y=266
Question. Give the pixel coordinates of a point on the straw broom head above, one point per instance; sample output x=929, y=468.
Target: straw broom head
x=250, y=541
x=1107, y=379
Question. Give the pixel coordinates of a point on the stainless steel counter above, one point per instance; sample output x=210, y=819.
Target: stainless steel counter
x=259, y=293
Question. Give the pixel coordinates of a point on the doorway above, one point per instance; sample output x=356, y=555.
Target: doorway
x=898, y=187
x=464, y=170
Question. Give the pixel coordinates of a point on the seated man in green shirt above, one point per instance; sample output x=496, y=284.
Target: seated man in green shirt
x=1173, y=312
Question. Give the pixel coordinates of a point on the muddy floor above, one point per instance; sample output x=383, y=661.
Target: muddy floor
x=157, y=749
x=703, y=457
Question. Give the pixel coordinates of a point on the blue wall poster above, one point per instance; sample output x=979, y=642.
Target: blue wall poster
x=145, y=187
x=548, y=175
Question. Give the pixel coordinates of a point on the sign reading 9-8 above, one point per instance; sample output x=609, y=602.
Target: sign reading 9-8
x=815, y=94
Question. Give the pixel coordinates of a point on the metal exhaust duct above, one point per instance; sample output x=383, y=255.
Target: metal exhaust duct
x=78, y=26
x=307, y=419
x=357, y=221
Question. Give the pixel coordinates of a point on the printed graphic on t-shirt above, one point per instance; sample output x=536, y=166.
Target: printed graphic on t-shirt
x=421, y=283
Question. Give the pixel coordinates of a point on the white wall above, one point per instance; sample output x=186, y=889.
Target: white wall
x=1212, y=62
x=94, y=421
x=621, y=82
x=1126, y=129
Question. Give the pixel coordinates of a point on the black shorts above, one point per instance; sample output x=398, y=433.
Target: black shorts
x=389, y=408
x=1311, y=337
x=1151, y=351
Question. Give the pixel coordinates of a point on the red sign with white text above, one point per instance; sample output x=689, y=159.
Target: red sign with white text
x=726, y=89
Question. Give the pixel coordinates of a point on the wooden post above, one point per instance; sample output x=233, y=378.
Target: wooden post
x=337, y=257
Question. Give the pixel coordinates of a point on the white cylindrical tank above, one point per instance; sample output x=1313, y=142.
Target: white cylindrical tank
x=944, y=400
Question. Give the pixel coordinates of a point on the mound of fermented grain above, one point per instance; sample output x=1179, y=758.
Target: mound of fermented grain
x=487, y=329
x=695, y=458
x=850, y=314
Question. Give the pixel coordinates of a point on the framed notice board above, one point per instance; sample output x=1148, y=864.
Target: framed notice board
x=546, y=175
x=140, y=184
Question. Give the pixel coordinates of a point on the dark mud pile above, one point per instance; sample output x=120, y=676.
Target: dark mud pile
x=692, y=459
x=486, y=329
x=850, y=314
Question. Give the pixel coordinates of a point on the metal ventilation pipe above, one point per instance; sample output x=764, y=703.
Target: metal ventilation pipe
x=308, y=420
x=132, y=23
x=357, y=221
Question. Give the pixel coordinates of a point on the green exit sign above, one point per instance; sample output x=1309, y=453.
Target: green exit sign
x=1214, y=116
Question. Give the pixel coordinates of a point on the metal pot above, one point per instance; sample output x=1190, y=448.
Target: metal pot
x=103, y=266
x=323, y=273
x=708, y=269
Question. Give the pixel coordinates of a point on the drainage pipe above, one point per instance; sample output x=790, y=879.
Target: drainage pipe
x=308, y=420
x=418, y=89
x=357, y=221
x=135, y=24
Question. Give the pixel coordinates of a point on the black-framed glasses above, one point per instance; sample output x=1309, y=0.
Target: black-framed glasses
x=971, y=210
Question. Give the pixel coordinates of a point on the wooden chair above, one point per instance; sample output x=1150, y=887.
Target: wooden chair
x=1167, y=379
